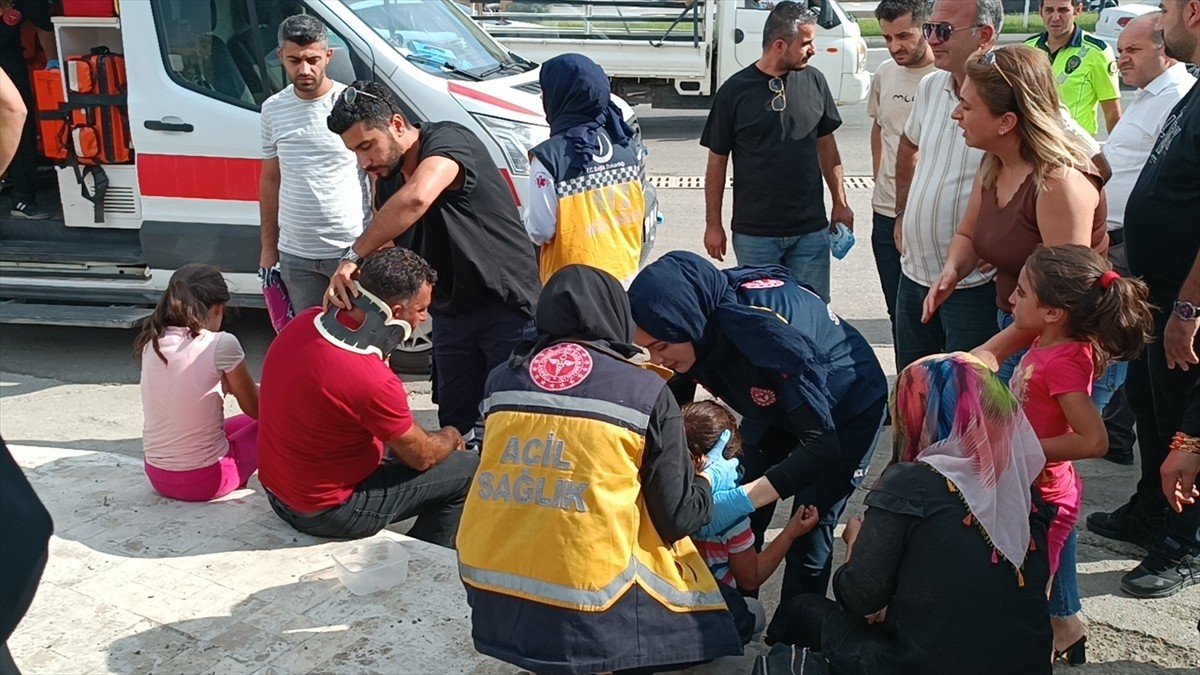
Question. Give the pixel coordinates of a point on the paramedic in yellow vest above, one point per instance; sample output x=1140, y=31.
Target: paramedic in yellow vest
x=586, y=205
x=573, y=543
x=1085, y=66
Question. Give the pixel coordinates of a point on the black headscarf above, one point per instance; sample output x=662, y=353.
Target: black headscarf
x=682, y=297
x=578, y=102
x=581, y=304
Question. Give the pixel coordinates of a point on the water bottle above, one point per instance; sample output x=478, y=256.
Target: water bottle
x=841, y=241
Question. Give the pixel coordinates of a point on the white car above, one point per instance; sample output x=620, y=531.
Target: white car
x=1114, y=19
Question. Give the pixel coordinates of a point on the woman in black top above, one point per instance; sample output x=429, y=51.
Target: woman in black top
x=950, y=560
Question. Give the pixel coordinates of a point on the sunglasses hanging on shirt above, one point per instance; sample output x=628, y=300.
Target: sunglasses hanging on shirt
x=779, y=101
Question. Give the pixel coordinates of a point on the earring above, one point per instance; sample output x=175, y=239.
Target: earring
x=1003, y=131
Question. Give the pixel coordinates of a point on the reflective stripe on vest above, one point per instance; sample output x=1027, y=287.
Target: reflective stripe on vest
x=598, y=599
x=557, y=404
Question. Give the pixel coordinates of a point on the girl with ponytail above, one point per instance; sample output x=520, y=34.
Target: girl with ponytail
x=1084, y=314
x=192, y=452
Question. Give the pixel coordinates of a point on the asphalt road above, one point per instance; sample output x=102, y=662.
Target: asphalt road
x=76, y=388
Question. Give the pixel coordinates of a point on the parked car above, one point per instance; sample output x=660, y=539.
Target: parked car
x=1114, y=19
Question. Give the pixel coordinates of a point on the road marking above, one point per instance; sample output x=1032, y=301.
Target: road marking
x=697, y=182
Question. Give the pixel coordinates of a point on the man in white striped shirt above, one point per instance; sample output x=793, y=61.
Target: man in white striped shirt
x=932, y=191
x=312, y=195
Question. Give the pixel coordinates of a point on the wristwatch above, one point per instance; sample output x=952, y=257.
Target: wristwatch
x=1186, y=310
x=351, y=256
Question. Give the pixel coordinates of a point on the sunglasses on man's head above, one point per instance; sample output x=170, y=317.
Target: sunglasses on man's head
x=779, y=101
x=350, y=95
x=943, y=30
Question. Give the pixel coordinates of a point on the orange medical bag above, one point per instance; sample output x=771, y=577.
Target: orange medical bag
x=91, y=127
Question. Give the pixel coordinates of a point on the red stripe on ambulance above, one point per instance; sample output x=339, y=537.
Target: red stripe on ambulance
x=228, y=178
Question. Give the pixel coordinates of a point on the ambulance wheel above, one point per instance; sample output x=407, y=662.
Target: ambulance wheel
x=414, y=356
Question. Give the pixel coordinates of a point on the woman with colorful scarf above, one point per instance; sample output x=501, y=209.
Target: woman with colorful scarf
x=808, y=386
x=950, y=560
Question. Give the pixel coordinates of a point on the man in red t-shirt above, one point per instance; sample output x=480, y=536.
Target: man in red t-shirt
x=340, y=454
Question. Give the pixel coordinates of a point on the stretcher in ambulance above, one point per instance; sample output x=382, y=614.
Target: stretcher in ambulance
x=187, y=190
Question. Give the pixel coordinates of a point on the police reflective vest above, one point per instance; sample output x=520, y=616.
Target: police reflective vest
x=556, y=514
x=601, y=208
x=1086, y=71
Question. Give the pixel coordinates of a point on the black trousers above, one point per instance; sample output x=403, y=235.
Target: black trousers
x=22, y=173
x=27, y=527
x=1160, y=397
x=393, y=493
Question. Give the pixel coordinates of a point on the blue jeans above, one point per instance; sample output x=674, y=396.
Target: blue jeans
x=1064, y=591
x=887, y=263
x=305, y=279
x=1004, y=320
x=966, y=320
x=806, y=255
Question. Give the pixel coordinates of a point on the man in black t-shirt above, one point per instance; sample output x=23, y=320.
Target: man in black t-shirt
x=1162, y=242
x=777, y=119
x=23, y=170
x=437, y=183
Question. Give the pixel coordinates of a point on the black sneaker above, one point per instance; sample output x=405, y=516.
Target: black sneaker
x=1160, y=577
x=28, y=211
x=1123, y=525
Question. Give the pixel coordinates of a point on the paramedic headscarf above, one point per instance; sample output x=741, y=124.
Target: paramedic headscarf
x=581, y=304
x=682, y=297
x=953, y=413
x=578, y=103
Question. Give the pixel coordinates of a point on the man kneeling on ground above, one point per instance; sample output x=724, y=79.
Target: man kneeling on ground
x=340, y=454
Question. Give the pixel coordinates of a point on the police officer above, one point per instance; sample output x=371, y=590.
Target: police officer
x=1084, y=65
x=586, y=204
x=573, y=544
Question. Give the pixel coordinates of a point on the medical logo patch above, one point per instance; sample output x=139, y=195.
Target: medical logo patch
x=1073, y=64
x=760, y=284
x=762, y=397
x=1112, y=67
x=560, y=367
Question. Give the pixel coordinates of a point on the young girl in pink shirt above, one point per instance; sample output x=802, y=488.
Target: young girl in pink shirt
x=1083, y=314
x=192, y=452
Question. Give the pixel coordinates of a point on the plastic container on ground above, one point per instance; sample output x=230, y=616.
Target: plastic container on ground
x=371, y=565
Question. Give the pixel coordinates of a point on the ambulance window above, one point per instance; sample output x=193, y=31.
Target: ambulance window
x=194, y=35
x=345, y=66
x=212, y=47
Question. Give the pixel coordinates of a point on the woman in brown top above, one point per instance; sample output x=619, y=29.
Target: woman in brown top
x=1035, y=185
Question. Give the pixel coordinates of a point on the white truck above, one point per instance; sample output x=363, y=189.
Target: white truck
x=674, y=53
x=197, y=73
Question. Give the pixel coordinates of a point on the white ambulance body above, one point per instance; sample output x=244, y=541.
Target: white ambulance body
x=197, y=73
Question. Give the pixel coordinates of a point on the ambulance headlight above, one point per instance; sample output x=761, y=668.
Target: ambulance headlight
x=515, y=140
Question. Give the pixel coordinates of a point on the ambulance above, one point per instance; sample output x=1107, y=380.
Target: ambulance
x=185, y=189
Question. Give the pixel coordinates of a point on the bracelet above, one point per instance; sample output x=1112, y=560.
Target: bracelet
x=1184, y=443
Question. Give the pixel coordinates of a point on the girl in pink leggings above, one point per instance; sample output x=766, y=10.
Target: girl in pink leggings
x=192, y=452
x=1082, y=314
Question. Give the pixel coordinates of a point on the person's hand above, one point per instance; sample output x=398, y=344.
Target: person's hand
x=898, y=234
x=721, y=473
x=802, y=521
x=342, y=290
x=941, y=290
x=268, y=258
x=1179, y=340
x=985, y=267
x=877, y=617
x=988, y=357
x=456, y=437
x=1178, y=473
x=715, y=241
x=52, y=64
x=841, y=214
x=729, y=506
x=850, y=533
